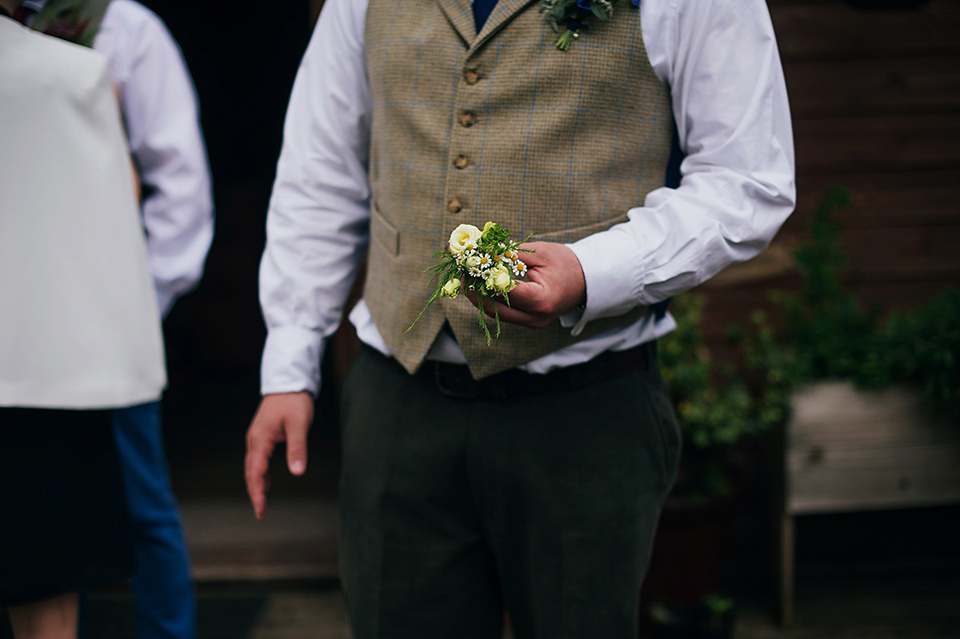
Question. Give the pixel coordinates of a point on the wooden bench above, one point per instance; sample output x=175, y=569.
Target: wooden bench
x=848, y=450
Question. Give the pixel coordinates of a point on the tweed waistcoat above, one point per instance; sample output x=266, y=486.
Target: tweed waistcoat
x=499, y=126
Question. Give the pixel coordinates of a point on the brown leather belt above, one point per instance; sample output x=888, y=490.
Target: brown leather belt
x=454, y=380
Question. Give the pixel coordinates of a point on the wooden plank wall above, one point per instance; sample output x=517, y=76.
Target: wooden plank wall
x=875, y=99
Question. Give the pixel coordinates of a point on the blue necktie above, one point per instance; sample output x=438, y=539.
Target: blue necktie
x=481, y=11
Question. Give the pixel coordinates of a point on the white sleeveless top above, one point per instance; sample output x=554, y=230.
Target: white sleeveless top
x=79, y=326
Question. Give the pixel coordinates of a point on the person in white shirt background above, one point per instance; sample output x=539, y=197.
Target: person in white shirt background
x=719, y=63
x=80, y=332
x=160, y=114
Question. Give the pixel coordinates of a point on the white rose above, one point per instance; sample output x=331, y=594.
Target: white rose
x=471, y=261
x=500, y=280
x=463, y=235
x=451, y=288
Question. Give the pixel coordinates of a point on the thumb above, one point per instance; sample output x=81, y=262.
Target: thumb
x=296, y=455
x=296, y=436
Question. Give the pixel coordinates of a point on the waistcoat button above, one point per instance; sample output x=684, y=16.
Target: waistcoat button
x=466, y=119
x=454, y=206
x=461, y=162
x=471, y=76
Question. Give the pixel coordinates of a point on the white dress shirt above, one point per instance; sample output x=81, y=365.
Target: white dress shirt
x=720, y=61
x=159, y=107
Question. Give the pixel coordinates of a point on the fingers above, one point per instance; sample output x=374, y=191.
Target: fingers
x=297, y=446
x=256, y=465
x=525, y=296
x=284, y=417
x=555, y=286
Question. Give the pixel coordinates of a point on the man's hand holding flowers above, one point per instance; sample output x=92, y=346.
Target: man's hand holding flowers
x=486, y=266
x=555, y=286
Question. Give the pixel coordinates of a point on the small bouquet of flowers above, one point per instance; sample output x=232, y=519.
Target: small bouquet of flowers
x=486, y=262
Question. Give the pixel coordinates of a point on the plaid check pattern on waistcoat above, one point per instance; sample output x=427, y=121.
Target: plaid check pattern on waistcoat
x=500, y=126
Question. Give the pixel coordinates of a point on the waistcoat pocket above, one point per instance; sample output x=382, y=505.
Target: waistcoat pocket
x=383, y=232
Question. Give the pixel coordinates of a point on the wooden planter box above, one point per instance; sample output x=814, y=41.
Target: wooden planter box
x=847, y=450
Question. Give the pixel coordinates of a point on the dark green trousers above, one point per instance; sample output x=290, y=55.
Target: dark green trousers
x=545, y=505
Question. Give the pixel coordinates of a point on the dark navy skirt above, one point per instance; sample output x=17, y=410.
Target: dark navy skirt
x=63, y=516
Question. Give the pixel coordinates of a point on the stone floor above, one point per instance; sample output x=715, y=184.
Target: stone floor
x=274, y=580
x=867, y=576
x=905, y=608
x=862, y=577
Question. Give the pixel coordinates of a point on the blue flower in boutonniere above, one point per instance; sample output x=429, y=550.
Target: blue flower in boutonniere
x=569, y=17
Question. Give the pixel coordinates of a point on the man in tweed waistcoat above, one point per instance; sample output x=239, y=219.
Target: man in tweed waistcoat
x=527, y=474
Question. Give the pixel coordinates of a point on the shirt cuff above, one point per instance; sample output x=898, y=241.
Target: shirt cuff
x=291, y=361
x=613, y=275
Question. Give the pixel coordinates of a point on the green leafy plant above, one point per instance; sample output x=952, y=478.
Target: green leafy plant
x=827, y=334
x=831, y=336
x=921, y=348
x=718, y=604
x=830, y=331
x=711, y=617
x=718, y=403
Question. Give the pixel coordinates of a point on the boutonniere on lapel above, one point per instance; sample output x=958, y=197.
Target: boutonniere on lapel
x=569, y=17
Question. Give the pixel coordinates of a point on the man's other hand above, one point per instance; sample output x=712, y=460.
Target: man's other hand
x=555, y=287
x=283, y=417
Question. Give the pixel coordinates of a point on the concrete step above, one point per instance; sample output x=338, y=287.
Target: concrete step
x=296, y=541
